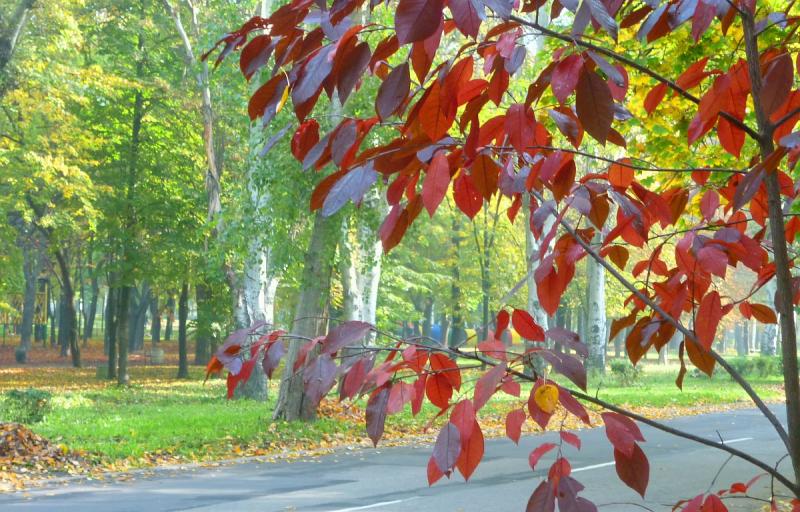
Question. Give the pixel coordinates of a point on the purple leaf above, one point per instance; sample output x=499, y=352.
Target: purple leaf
x=351, y=186
x=312, y=75
x=319, y=377
x=273, y=357
x=345, y=334
x=447, y=448
x=376, y=414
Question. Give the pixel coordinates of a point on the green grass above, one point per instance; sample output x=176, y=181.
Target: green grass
x=194, y=420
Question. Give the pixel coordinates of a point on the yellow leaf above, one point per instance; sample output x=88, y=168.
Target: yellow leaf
x=283, y=100
x=546, y=397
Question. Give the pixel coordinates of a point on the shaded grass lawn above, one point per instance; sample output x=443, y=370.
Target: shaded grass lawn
x=161, y=418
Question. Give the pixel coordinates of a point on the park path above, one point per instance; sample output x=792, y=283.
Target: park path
x=394, y=479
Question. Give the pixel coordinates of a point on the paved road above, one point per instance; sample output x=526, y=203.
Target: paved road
x=394, y=479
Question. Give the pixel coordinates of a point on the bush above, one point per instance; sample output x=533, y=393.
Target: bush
x=626, y=374
x=20, y=355
x=25, y=406
x=757, y=366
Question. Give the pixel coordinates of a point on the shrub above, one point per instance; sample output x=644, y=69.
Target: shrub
x=26, y=406
x=626, y=374
x=20, y=355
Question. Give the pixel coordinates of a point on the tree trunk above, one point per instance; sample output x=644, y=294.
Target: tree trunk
x=138, y=315
x=457, y=333
x=111, y=330
x=30, y=271
x=314, y=294
x=155, y=321
x=54, y=318
x=596, y=309
x=783, y=277
x=170, y=317
x=71, y=316
x=91, y=313
x=122, y=323
x=62, y=326
x=183, y=314
x=9, y=37
x=202, y=352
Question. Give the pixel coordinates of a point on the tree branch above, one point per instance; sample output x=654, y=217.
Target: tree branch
x=635, y=65
x=690, y=336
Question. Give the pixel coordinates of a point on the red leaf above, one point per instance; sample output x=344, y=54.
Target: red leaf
x=730, y=137
x=693, y=75
x=703, y=16
x=401, y=394
x=319, y=377
x=654, y=97
x=707, y=319
x=570, y=438
x=438, y=390
x=537, y=453
x=572, y=405
x=520, y=125
x=306, y=137
x=485, y=173
x=763, y=314
x=620, y=174
x=437, y=180
x=393, y=91
x=543, y=499
x=447, y=448
x=471, y=452
x=467, y=197
x=713, y=260
x=447, y=367
x=265, y=100
x=466, y=16
x=713, y=504
x=357, y=60
x=419, y=394
x=463, y=417
x=514, y=421
x=633, y=469
x=255, y=55
x=487, y=385
x=437, y=112
x=355, y=378
x=416, y=20
x=709, y=204
x=434, y=473
x=501, y=322
x=565, y=77
x=376, y=414
x=700, y=357
x=594, y=105
x=345, y=334
x=622, y=432
x=777, y=83
x=525, y=325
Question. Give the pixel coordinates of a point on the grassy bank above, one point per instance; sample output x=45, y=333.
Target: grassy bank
x=160, y=418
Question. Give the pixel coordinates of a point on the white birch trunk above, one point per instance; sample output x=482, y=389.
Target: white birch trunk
x=596, y=329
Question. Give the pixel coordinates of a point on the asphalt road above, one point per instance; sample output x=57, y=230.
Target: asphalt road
x=394, y=479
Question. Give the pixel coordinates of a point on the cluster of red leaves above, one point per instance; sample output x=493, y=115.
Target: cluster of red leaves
x=457, y=127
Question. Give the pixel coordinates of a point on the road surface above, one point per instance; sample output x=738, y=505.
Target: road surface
x=394, y=479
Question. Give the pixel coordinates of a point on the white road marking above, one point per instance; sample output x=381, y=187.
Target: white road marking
x=374, y=505
x=606, y=464
x=737, y=440
x=587, y=468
